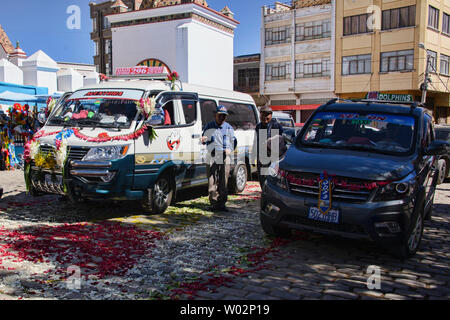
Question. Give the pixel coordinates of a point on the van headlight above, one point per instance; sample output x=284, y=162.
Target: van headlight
x=397, y=190
x=106, y=153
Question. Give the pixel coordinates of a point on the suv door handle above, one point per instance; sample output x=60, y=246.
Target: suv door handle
x=196, y=136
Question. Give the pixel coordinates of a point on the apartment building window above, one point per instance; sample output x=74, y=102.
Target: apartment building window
x=446, y=24
x=445, y=63
x=433, y=18
x=94, y=24
x=313, y=30
x=360, y=64
x=433, y=61
x=356, y=24
x=97, y=49
x=278, y=35
x=106, y=24
x=278, y=71
x=397, y=61
x=248, y=79
x=399, y=18
x=312, y=68
x=108, y=46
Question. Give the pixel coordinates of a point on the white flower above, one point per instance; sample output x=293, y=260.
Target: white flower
x=61, y=154
x=34, y=149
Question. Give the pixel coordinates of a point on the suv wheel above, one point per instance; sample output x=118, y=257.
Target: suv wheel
x=410, y=244
x=442, y=165
x=158, y=199
x=272, y=230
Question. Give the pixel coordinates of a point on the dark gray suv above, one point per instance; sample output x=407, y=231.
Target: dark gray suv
x=361, y=170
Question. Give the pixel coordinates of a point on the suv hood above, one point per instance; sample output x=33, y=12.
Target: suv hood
x=348, y=163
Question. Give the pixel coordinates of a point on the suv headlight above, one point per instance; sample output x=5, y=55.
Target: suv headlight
x=397, y=190
x=106, y=153
x=277, y=175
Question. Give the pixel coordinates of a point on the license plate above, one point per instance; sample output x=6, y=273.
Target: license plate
x=332, y=215
x=56, y=180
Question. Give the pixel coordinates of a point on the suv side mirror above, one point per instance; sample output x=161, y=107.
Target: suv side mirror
x=289, y=136
x=437, y=148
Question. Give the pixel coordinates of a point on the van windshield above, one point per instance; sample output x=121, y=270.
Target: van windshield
x=382, y=133
x=102, y=112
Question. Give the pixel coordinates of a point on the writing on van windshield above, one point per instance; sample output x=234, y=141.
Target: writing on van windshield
x=104, y=93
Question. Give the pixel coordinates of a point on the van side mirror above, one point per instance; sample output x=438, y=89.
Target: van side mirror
x=156, y=119
x=437, y=148
x=42, y=118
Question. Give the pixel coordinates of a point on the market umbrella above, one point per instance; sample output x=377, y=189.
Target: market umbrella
x=15, y=96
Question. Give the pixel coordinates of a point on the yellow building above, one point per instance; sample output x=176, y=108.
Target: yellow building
x=378, y=51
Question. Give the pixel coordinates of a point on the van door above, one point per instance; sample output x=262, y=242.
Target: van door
x=176, y=146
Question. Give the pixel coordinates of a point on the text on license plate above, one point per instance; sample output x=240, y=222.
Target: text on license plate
x=332, y=216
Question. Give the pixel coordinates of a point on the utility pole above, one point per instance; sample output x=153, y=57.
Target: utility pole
x=425, y=82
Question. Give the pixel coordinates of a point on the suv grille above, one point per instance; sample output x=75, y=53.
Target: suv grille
x=75, y=153
x=311, y=189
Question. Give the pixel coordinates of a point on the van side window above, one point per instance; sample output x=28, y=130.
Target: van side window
x=169, y=114
x=189, y=110
x=240, y=116
x=208, y=109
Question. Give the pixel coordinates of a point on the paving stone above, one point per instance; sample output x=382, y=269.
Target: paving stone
x=371, y=293
x=341, y=293
x=305, y=293
x=211, y=295
x=285, y=295
x=393, y=296
x=232, y=292
x=258, y=296
x=256, y=289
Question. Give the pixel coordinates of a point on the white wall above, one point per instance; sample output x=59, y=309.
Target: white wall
x=133, y=44
x=10, y=73
x=210, y=57
x=201, y=54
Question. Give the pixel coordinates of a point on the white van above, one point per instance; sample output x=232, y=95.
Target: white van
x=110, y=151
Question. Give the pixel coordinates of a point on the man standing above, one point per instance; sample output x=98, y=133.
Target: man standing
x=218, y=135
x=267, y=131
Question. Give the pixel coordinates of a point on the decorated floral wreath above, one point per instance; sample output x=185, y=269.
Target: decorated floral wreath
x=173, y=77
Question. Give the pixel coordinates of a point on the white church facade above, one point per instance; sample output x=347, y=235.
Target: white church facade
x=192, y=39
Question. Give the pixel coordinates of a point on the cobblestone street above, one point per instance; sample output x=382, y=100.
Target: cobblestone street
x=190, y=252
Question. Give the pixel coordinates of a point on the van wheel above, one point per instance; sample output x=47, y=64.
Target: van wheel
x=272, y=230
x=239, y=179
x=410, y=244
x=159, y=198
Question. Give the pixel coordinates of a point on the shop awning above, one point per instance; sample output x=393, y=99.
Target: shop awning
x=17, y=97
x=296, y=107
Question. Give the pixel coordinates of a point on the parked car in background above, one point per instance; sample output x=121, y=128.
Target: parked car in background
x=286, y=120
x=358, y=170
x=443, y=133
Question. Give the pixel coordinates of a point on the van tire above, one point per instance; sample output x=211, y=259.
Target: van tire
x=158, y=199
x=239, y=179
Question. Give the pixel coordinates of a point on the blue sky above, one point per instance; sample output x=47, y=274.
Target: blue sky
x=41, y=24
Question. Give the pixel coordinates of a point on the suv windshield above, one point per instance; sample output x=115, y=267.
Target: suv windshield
x=100, y=111
x=381, y=133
